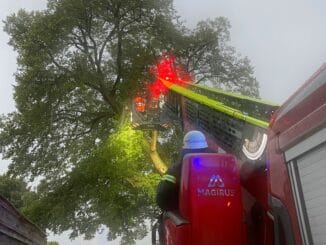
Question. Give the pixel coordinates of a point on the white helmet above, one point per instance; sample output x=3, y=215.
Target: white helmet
x=194, y=140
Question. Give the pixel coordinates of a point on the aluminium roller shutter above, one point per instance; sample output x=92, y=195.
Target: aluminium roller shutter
x=312, y=173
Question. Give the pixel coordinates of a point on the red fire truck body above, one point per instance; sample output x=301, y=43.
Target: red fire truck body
x=283, y=194
x=296, y=158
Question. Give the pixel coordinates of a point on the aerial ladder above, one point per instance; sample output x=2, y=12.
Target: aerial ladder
x=233, y=124
x=236, y=123
x=239, y=127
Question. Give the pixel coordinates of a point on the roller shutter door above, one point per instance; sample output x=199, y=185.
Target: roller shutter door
x=312, y=174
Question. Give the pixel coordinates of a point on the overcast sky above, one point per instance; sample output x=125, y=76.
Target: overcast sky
x=284, y=39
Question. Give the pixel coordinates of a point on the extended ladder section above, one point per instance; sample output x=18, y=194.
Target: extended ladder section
x=238, y=123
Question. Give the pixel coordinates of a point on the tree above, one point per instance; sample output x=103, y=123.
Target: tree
x=15, y=190
x=52, y=243
x=113, y=186
x=209, y=58
x=79, y=62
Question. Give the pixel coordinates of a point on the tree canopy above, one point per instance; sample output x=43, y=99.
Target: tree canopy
x=79, y=62
x=15, y=190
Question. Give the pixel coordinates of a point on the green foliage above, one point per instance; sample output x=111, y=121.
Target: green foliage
x=114, y=186
x=52, y=243
x=171, y=142
x=15, y=190
x=209, y=58
x=79, y=63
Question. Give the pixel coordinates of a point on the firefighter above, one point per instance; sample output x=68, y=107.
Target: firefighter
x=168, y=189
x=167, y=196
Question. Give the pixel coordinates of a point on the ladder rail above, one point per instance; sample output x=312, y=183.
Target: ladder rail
x=233, y=130
x=216, y=105
x=254, y=107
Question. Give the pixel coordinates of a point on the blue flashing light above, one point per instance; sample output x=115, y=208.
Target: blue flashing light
x=268, y=164
x=197, y=163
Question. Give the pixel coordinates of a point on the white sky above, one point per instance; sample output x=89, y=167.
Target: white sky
x=284, y=39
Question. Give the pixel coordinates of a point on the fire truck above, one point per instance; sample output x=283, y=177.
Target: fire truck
x=264, y=185
x=296, y=160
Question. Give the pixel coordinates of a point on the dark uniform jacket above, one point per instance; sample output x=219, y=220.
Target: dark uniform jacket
x=167, y=196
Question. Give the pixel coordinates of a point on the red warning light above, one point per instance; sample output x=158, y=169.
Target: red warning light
x=140, y=104
x=166, y=69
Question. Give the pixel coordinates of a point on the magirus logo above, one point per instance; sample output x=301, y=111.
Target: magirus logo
x=216, y=188
x=215, y=181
